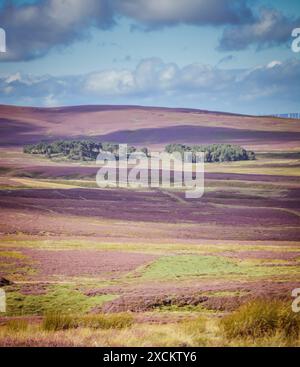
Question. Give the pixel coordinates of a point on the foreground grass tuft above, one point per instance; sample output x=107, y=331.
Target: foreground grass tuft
x=262, y=318
x=17, y=325
x=105, y=321
x=55, y=322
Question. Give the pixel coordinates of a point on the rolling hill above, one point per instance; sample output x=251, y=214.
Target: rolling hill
x=152, y=126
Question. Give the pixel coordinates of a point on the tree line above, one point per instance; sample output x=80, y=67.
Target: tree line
x=213, y=152
x=81, y=150
x=88, y=150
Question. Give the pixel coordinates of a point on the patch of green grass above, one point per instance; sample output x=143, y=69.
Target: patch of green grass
x=188, y=265
x=262, y=318
x=60, y=298
x=175, y=267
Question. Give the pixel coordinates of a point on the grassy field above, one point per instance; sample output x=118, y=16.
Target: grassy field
x=112, y=267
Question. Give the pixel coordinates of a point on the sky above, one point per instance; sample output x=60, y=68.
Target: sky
x=222, y=55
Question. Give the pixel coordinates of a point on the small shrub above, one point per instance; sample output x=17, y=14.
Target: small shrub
x=55, y=322
x=17, y=325
x=261, y=318
x=107, y=321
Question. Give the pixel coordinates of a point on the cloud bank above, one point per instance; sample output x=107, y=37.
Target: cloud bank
x=153, y=82
x=161, y=13
x=35, y=29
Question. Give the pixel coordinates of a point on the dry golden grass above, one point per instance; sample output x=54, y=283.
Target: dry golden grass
x=263, y=318
x=200, y=332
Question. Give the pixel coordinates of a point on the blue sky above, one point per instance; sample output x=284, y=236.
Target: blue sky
x=226, y=55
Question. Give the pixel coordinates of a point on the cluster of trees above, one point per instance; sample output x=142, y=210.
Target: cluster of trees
x=214, y=152
x=87, y=150
x=82, y=150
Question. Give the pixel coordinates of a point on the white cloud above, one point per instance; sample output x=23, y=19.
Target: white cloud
x=270, y=28
x=35, y=29
x=274, y=63
x=13, y=77
x=50, y=101
x=110, y=82
x=156, y=82
x=159, y=13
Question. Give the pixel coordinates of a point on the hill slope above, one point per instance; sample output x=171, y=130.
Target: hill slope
x=153, y=126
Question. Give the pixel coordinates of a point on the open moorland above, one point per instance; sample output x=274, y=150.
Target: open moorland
x=94, y=266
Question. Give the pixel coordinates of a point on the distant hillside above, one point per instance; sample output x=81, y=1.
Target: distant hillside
x=295, y=115
x=152, y=126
